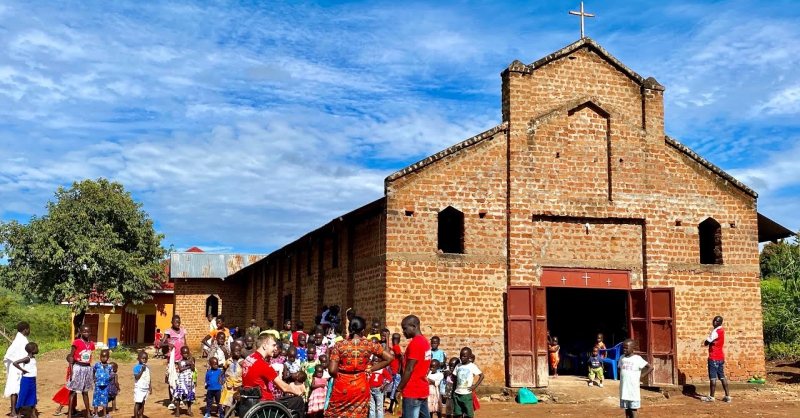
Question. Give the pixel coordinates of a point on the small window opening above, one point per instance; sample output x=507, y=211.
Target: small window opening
x=451, y=231
x=409, y=213
x=482, y=214
x=335, y=251
x=212, y=306
x=287, y=307
x=710, y=242
x=678, y=223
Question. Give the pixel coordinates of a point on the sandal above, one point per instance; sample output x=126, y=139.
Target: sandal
x=58, y=414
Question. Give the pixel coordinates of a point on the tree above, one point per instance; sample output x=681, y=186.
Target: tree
x=94, y=239
x=782, y=261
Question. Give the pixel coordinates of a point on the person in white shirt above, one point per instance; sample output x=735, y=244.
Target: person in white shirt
x=468, y=377
x=632, y=367
x=15, y=351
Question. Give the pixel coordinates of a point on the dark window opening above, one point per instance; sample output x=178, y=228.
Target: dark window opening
x=710, y=242
x=212, y=306
x=335, y=251
x=287, y=307
x=451, y=231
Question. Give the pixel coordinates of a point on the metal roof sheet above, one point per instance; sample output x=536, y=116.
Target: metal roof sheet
x=208, y=265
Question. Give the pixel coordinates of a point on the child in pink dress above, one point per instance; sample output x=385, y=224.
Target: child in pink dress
x=319, y=388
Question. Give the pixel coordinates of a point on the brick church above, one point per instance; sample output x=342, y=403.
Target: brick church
x=577, y=214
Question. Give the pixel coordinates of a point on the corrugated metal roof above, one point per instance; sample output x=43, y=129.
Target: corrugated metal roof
x=207, y=265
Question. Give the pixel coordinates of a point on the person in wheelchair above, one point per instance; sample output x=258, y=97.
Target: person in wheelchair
x=257, y=373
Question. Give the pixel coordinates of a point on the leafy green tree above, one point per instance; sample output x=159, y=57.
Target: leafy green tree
x=781, y=261
x=94, y=239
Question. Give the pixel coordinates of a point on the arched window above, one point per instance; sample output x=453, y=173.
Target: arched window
x=212, y=306
x=451, y=231
x=710, y=242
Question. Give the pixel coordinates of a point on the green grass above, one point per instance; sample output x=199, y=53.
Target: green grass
x=783, y=351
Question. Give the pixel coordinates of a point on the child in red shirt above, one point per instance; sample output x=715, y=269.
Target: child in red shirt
x=378, y=381
x=396, y=367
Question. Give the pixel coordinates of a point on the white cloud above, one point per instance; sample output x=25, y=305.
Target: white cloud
x=246, y=126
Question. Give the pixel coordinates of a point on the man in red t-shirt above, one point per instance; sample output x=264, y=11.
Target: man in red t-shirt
x=256, y=372
x=716, y=360
x=414, y=383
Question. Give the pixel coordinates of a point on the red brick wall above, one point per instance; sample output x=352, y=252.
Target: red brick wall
x=357, y=281
x=190, y=304
x=650, y=180
x=458, y=297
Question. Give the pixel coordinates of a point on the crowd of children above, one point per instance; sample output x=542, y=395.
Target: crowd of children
x=301, y=361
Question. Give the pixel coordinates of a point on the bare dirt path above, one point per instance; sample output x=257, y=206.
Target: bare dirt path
x=780, y=399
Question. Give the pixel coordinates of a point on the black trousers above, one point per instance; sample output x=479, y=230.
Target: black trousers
x=295, y=404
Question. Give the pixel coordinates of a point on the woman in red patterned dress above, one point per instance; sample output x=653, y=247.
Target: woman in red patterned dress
x=350, y=366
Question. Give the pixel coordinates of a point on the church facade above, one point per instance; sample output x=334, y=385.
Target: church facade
x=576, y=215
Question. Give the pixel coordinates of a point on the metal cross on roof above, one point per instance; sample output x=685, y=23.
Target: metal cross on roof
x=582, y=14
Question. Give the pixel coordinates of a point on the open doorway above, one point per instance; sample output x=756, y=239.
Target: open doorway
x=575, y=316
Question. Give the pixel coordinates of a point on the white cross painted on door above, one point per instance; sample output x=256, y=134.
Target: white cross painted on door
x=585, y=279
x=608, y=282
x=563, y=280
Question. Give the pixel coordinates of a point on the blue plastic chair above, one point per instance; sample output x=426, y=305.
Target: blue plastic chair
x=613, y=355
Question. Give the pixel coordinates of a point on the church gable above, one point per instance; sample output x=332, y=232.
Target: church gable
x=581, y=69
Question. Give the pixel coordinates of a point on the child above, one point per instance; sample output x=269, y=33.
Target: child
x=595, y=367
x=102, y=379
x=286, y=334
x=554, y=349
x=157, y=343
x=113, y=387
x=310, y=365
x=214, y=380
x=292, y=363
x=299, y=381
x=466, y=383
x=302, y=353
x=446, y=406
x=62, y=396
x=475, y=404
x=378, y=380
x=632, y=368
x=397, y=368
x=316, y=401
x=233, y=378
x=219, y=349
x=184, y=389
x=435, y=377
x=296, y=335
x=436, y=353
x=141, y=387
x=80, y=358
x=319, y=343
x=277, y=362
x=599, y=344
x=248, y=348
x=376, y=330
x=27, y=385
x=386, y=336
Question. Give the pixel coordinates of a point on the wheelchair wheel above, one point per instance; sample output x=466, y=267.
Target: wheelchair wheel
x=269, y=409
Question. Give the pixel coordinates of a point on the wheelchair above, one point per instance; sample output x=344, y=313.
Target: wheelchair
x=249, y=405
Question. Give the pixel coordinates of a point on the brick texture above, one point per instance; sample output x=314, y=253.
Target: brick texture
x=582, y=144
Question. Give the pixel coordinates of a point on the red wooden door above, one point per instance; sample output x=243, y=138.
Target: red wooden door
x=526, y=330
x=651, y=322
x=661, y=307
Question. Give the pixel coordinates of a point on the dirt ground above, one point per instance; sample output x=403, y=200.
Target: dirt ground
x=780, y=398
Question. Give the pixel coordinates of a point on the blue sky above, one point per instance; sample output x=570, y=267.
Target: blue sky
x=243, y=125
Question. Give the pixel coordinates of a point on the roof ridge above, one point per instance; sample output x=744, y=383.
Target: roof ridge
x=720, y=172
x=649, y=82
x=448, y=151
